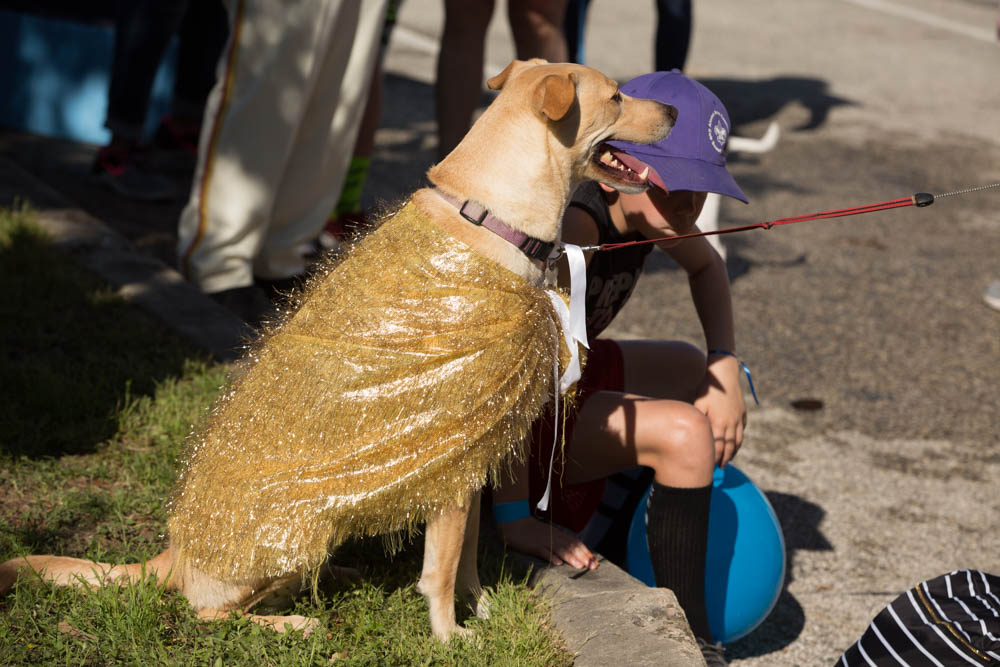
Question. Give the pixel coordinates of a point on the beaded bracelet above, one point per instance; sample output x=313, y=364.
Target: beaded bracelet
x=743, y=366
x=512, y=511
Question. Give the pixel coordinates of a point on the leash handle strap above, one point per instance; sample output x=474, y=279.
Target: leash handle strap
x=919, y=199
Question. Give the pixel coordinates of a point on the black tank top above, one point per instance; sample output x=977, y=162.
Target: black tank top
x=611, y=274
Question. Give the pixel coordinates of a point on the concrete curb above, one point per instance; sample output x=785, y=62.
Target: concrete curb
x=607, y=617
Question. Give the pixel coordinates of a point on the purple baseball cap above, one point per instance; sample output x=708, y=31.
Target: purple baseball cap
x=693, y=156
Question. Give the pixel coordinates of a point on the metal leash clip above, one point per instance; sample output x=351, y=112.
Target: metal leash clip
x=558, y=250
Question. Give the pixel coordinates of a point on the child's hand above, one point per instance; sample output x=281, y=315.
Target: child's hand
x=547, y=541
x=721, y=399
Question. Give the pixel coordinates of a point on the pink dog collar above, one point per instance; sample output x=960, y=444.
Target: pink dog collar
x=479, y=215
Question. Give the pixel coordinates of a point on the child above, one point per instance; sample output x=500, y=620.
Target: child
x=658, y=404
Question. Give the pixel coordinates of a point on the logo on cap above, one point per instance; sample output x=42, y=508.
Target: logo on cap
x=718, y=131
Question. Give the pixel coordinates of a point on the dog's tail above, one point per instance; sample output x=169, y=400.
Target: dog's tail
x=64, y=571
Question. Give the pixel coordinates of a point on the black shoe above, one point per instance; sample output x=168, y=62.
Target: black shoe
x=714, y=654
x=250, y=303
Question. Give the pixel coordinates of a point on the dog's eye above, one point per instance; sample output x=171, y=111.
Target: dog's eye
x=617, y=97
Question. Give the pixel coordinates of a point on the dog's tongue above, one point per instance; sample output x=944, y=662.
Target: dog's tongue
x=637, y=165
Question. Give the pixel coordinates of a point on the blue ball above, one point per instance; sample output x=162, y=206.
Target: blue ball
x=745, y=565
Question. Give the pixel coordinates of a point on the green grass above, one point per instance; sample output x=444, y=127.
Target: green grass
x=95, y=402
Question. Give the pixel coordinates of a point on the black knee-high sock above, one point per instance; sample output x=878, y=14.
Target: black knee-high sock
x=677, y=533
x=617, y=508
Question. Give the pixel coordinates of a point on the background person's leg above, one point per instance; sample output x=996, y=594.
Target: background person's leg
x=257, y=189
x=143, y=29
x=575, y=30
x=334, y=99
x=459, y=84
x=538, y=29
x=673, y=34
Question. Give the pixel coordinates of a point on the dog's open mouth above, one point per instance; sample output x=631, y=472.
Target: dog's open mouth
x=620, y=168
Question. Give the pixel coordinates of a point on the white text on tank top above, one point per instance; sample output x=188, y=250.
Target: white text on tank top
x=607, y=297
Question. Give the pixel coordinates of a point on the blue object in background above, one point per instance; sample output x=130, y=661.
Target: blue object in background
x=745, y=566
x=56, y=75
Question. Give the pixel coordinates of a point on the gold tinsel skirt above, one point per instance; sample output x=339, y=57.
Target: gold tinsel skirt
x=407, y=379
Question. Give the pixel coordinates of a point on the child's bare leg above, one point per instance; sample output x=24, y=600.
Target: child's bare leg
x=616, y=431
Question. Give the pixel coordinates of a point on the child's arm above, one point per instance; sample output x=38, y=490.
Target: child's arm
x=720, y=396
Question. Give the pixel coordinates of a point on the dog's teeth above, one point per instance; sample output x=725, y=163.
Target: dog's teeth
x=644, y=174
x=606, y=158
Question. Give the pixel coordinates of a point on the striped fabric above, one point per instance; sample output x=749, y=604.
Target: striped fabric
x=950, y=620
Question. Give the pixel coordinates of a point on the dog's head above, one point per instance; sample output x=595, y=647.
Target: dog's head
x=583, y=109
x=543, y=135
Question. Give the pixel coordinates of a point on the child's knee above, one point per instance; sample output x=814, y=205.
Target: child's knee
x=683, y=438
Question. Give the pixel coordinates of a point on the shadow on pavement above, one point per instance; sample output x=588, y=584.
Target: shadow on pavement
x=749, y=101
x=800, y=522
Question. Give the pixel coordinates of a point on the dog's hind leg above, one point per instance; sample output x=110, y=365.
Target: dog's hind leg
x=442, y=553
x=470, y=591
x=215, y=599
x=65, y=571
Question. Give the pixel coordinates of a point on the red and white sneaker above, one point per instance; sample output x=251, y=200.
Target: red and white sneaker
x=115, y=167
x=175, y=144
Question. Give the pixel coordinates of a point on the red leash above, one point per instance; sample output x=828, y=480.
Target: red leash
x=919, y=199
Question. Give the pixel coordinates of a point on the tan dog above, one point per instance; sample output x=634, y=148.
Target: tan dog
x=541, y=137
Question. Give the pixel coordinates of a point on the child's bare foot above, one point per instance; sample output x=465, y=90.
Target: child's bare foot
x=547, y=541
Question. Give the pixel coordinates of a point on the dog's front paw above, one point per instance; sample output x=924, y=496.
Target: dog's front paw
x=444, y=632
x=462, y=634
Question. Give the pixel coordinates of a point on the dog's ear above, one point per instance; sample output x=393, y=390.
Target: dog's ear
x=554, y=95
x=497, y=82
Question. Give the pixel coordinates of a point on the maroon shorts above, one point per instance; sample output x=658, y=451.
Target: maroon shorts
x=572, y=505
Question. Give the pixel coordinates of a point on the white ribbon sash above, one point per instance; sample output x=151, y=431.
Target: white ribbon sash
x=573, y=321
